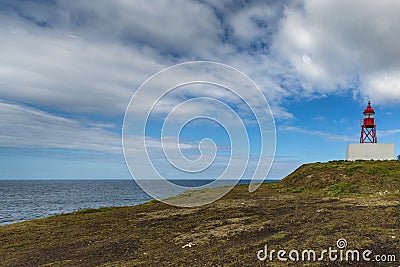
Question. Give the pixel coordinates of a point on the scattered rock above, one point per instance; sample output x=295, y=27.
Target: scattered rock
x=189, y=245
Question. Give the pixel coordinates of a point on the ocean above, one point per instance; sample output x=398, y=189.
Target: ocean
x=30, y=199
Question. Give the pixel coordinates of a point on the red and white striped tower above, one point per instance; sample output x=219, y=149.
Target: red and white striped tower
x=368, y=128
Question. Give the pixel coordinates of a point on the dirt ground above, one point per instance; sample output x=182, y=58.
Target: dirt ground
x=229, y=232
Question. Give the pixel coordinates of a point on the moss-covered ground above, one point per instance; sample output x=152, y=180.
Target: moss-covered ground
x=310, y=209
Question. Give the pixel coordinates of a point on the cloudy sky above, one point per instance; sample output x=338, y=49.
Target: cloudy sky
x=68, y=70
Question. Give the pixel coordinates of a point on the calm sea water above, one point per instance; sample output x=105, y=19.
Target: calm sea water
x=29, y=199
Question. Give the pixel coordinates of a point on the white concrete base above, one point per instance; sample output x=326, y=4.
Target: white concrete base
x=368, y=151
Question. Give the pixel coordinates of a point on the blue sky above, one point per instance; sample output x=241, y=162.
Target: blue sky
x=68, y=70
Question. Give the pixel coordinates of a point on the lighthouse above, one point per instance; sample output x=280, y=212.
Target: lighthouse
x=368, y=128
x=368, y=148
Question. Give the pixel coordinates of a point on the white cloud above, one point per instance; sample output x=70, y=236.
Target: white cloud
x=51, y=69
x=383, y=87
x=331, y=44
x=179, y=27
x=24, y=127
x=253, y=23
x=91, y=57
x=385, y=133
x=326, y=135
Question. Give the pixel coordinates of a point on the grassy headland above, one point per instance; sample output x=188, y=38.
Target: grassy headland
x=310, y=209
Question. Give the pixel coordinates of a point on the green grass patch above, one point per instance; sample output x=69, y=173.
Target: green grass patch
x=152, y=201
x=341, y=188
x=375, y=229
x=350, y=171
x=91, y=210
x=301, y=189
x=280, y=235
x=15, y=245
